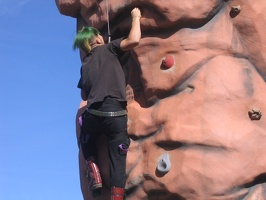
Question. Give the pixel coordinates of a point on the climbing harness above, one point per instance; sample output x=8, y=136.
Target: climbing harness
x=108, y=25
x=107, y=114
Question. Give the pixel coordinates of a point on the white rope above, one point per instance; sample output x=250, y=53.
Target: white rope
x=108, y=25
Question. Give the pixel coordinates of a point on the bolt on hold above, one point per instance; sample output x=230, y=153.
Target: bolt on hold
x=236, y=8
x=167, y=62
x=254, y=114
x=164, y=164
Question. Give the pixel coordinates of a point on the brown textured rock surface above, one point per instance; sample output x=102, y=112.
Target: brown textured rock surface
x=206, y=109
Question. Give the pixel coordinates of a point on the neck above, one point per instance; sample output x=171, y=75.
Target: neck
x=95, y=45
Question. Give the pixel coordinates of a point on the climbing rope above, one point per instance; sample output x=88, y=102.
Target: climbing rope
x=108, y=25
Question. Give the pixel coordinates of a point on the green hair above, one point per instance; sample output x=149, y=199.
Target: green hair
x=84, y=37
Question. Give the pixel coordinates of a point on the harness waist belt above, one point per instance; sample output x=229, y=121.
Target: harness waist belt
x=107, y=114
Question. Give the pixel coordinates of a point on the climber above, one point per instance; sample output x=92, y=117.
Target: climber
x=103, y=86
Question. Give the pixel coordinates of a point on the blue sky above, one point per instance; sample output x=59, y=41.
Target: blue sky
x=39, y=72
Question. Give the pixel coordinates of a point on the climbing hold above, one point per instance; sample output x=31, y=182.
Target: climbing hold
x=167, y=62
x=236, y=8
x=254, y=114
x=164, y=164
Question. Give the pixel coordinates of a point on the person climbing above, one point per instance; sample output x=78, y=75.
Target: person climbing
x=103, y=86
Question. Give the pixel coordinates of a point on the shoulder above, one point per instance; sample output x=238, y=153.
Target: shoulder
x=118, y=40
x=114, y=45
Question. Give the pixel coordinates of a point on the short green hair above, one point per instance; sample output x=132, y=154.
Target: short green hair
x=84, y=37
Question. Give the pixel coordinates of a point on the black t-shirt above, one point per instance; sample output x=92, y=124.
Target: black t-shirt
x=102, y=74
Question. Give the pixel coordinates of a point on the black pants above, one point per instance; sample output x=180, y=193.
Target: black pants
x=115, y=129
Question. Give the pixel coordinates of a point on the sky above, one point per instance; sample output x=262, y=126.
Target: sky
x=39, y=99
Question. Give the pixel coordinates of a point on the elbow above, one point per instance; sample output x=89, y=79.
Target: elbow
x=134, y=42
x=134, y=39
x=130, y=43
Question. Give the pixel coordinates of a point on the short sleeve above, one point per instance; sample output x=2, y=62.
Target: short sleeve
x=114, y=46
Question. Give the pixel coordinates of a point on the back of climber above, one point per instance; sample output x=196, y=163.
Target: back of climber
x=103, y=86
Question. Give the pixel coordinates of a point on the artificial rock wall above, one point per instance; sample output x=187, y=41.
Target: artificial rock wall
x=196, y=97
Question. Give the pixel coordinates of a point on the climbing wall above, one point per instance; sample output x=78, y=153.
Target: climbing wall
x=196, y=97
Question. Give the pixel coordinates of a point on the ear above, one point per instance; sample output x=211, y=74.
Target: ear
x=98, y=40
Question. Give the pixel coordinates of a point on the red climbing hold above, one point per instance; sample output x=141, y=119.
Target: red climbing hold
x=168, y=62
